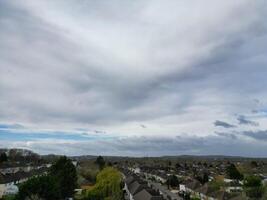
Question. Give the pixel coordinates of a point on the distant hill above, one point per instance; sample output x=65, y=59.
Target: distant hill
x=83, y=157
x=211, y=157
x=50, y=157
x=16, y=153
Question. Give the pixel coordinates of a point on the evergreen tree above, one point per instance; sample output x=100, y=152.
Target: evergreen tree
x=233, y=172
x=43, y=187
x=100, y=162
x=3, y=157
x=65, y=173
x=173, y=181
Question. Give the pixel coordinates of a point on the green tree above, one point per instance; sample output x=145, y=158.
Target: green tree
x=204, y=178
x=194, y=198
x=65, y=173
x=90, y=174
x=108, y=185
x=172, y=181
x=100, y=162
x=253, y=164
x=233, y=172
x=177, y=165
x=43, y=187
x=253, y=187
x=216, y=184
x=3, y=157
x=9, y=197
x=186, y=196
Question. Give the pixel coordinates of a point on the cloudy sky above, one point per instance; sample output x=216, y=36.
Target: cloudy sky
x=138, y=78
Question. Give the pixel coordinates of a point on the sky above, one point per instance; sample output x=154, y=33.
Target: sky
x=134, y=78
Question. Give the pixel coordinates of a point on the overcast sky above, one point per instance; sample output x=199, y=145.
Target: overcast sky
x=139, y=78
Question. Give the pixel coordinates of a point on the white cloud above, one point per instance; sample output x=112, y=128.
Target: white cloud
x=175, y=67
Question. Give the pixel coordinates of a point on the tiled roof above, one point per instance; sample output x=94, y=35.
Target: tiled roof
x=129, y=180
x=135, y=187
x=147, y=194
x=9, y=178
x=193, y=184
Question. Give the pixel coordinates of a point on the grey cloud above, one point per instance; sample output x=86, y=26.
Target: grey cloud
x=257, y=135
x=257, y=101
x=111, y=63
x=233, y=136
x=223, y=124
x=255, y=111
x=242, y=120
x=219, y=144
x=142, y=125
x=11, y=126
x=81, y=83
x=98, y=132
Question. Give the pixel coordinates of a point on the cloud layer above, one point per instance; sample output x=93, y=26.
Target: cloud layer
x=136, y=70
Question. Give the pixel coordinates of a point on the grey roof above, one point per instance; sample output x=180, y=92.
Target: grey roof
x=205, y=189
x=164, y=190
x=9, y=178
x=147, y=194
x=194, y=184
x=135, y=187
x=239, y=197
x=220, y=195
x=129, y=180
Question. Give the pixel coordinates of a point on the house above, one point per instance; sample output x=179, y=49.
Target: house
x=74, y=162
x=164, y=191
x=239, y=197
x=204, y=192
x=138, y=189
x=78, y=191
x=8, y=182
x=182, y=188
x=7, y=185
x=10, y=189
x=9, y=170
x=133, y=185
x=220, y=195
x=234, y=189
x=192, y=185
x=147, y=194
x=158, y=176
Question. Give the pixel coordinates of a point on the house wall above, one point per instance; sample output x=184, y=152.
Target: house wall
x=11, y=189
x=234, y=189
x=2, y=189
x=5, y=188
